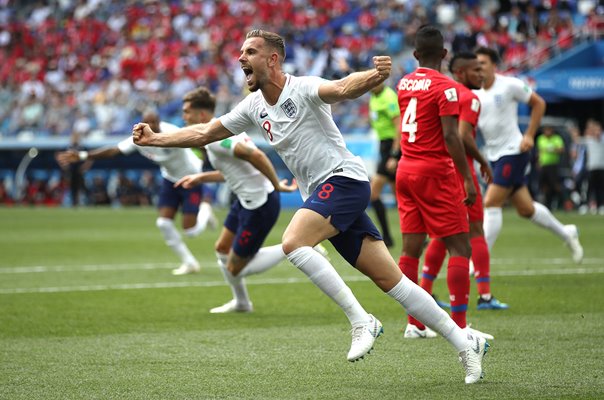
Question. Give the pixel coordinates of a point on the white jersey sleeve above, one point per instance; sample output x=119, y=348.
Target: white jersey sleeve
x=238, y=120
x=174, y=163
x=127, y=146
x=249, y=185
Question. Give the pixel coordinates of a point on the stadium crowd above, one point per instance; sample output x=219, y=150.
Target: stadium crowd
x=93, y=65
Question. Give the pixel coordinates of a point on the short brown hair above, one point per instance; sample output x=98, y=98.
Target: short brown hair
x=491, y=53
x=200, y=98
x=272, y=39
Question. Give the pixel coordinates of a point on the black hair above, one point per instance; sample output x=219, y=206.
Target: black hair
x=465, y=55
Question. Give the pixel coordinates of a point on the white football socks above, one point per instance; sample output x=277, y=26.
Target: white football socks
x=174, y=240
x=203, y=217
x=237, y=283
x=325, y=277
x=422, y=306
x=265, y=259
x=493, y=220
x=545, y=219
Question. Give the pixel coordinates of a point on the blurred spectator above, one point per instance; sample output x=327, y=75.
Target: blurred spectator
x=594, y=143
x=74, y=173
x=107, y=60
x=128, y=192
x=550, y=147
x=97, y=193
x=578, y=160
x=149, y=187
x=5, y=197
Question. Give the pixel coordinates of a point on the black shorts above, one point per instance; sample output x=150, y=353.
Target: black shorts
x=385, y=151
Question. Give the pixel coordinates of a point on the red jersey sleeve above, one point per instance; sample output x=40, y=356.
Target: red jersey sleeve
x=469, y=107
x=448, y=98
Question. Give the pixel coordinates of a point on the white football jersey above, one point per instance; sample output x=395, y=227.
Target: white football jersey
x=498, y=122
x=249, y=184
x=301, y=130
x=174, y=163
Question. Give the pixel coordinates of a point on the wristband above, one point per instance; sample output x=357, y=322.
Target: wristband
x=396, y=154
x=83, y=155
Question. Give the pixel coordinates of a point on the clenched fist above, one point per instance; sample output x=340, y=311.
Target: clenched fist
x=142, y=134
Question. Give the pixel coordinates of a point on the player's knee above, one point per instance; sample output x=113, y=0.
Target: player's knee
x=221, y=247
x=288, y=245
x=191, y=232
x=526, y=211
x=163, y=223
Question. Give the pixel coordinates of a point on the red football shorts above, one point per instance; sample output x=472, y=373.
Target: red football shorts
x=432, y=205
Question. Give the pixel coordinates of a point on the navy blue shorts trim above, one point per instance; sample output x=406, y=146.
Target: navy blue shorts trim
x=511, y=171
x=345, y=200
x=251, y=227
x=172, y=197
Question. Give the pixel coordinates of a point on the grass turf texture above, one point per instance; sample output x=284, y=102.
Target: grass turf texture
x=89, y=309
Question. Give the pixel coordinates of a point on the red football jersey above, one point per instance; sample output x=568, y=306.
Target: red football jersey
x=469, y=110
x=469, y=107
x=424, y=96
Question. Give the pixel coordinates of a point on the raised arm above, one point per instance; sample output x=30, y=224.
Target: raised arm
x=197, y=135
x=357, y=83
x=260, y=161
x=72, y=156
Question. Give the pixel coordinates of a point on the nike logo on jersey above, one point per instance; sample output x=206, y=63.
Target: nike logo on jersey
x=263, y=114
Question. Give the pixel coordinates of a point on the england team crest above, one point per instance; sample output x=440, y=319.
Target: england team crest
x=289, y=108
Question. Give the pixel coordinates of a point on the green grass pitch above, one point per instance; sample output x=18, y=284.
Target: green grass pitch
x=89, y=310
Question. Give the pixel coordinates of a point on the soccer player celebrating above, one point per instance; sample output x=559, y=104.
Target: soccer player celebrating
x=429, y=195
x=467, y=71
x=294, y=116
x=174, y=164
x=251, y=176
x=509, y=152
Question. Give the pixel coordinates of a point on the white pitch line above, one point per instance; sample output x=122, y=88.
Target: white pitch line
x=153, y=266
x=273, y=281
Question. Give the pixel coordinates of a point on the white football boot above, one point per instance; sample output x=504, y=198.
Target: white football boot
x=186, y=268
x=471, y=358
x=231, y=307
x=363, y=337
x=573, y=243
x=473, y=331
x=413, y=332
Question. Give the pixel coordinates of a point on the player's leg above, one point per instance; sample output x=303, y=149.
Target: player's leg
x=247, y=230
x=482, y=268
x=539, y=215
x=205, y=216
x=375, y=262
x=433, y=260
x=408, y=264
x=169, y=201
x=240, y=301
x=197, y=211
x=323, y=215
x=458, y=275
x=377, y=185
x=494, y=199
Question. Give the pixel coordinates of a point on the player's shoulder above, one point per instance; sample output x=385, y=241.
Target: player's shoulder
x=166, y=127
x=507, y=80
